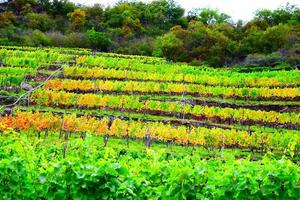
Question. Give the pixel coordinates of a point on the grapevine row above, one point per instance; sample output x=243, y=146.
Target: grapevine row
x=210, y=138
x=65, y=99
x=204, y=79
x=139, y=65
x=175, y=88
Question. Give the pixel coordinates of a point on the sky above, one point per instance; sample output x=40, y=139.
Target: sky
x=237, y=9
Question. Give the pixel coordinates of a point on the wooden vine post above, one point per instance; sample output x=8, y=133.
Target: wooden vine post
x=105, y=138
x=28, y=99
x=61, y=128
x=64, y=150
x=67, y=135
x=126, y=137
x=66, y=138
x=223, y=144
x=83, y=135
x=183, y=95
x=8, y=111
x=147, y=139
x=46, y=134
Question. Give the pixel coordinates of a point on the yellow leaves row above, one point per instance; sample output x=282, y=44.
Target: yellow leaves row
x=214, y=137
x=47, y=97
x=157, y=87
x=206, y=78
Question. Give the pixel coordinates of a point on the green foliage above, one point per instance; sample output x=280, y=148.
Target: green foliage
x=58, y=7
x=197, y=41
x=94, y=17
x=98, y=40
x=142, y=46
x=35, y=169
x=38, y=21
x=277, y=37
x=125, y=16
x=75, y=39
x=289, y=14
x=166, y=11
x=209, y=16
x=270, y=40
x=37, y=38
x=169, y=46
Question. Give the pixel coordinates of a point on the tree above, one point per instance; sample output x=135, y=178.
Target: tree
x=126, y=16
x=169, y=46
x=164, y=14
x=208, y=16
x=18, y=5
x=197, y=43
x=7, y=18
x=252, y=41
x=77, y=19
x=61, y=7
x=98, y=40
x=44, y=6
x=40, y=21
x=27, y=8
x=289, y=14
x=208, y=44
x=258, y=24
x=227, y=29
x=95, y=17
x=277, y=37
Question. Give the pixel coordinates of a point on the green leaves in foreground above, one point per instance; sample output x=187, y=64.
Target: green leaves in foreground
x=87, y=173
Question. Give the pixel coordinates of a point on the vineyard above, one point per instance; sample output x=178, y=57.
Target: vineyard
x=78, y=124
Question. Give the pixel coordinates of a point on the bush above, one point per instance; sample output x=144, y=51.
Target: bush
x=137, y=47
x=75, y=40
x=37, y=38
x=39, y=21
x=264, y=59
x=98, y=40
x=5, y=41
x=170, y=47
x=57, y=39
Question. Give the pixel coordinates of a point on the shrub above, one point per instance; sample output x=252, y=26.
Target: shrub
x=98, y=40
x=75, y=40
x=37, y=38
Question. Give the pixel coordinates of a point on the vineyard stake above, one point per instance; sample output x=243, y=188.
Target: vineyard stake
x=106, y=137
x=46, y=134
x=64, y=150
x=127, y=140
x=82, y=135
x=28, y=99
x=61, y=127
x=147, y=140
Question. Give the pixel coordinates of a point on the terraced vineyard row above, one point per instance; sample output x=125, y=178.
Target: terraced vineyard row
x=210, y=138
x=174, y=88
x=204, y=77
x=67, y=99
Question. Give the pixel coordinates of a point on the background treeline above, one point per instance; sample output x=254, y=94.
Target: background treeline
x=159, y=28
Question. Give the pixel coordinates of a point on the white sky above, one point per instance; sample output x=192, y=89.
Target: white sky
x=237, y=9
